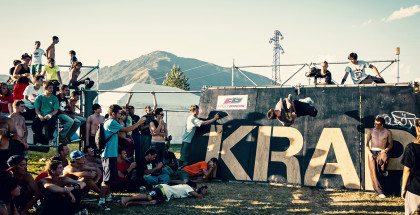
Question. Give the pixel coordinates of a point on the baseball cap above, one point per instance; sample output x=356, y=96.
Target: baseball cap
x=76, y=154
x=14, y=161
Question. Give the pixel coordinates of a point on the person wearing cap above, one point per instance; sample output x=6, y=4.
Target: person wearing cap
x=30, y=192
x=77, y=170
x=7, y=131
x=62, y=194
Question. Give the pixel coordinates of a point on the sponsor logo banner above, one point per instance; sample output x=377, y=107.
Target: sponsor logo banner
x=232, y=102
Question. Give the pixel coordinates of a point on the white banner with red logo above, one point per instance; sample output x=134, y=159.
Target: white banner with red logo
x=232, y=102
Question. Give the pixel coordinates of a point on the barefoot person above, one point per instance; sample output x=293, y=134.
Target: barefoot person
x=163, y=192
x=287, y=110
x=410, y=187
x=381, y=143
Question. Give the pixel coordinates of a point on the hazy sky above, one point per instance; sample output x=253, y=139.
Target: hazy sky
x=218, y=32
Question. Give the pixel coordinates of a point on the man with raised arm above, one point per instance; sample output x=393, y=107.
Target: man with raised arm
x=110, y=153
x=192, y=123
x=381, y=143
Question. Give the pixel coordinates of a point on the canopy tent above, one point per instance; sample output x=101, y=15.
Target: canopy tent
x=175, y=105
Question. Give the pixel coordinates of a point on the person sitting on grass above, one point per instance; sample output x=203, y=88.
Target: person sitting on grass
x=163, y=192
x=77, y=170
x=9, y=190
x=125, y=170
x=91, y=158
x=30, y=192
x=44, y=174
x=169, y=159
x=63, y=152
x=153, y=170
x=198, y=172
x=62, y=194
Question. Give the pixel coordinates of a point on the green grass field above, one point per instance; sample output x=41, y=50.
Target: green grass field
x=250, y=198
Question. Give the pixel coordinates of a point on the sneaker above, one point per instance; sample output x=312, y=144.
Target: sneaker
x=381, y=196
x=142, y=188
x=103, y=207
x=385, y=173
x=83, y=212
x=110, y=198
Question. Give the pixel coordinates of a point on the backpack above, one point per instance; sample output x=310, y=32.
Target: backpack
x=100, y=140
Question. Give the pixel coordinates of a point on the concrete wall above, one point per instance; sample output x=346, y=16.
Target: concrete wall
x=324, y=151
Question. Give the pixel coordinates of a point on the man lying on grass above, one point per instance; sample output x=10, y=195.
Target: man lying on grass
x=164, y=192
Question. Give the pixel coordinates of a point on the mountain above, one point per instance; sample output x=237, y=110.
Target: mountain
x=152, y=68
x=4, y=78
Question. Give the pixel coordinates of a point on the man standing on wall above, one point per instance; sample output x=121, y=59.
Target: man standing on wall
x=378, y=154
x=51, y=49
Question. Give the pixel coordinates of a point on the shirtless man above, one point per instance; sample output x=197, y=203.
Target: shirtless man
x=378, y=153
x=62, y=194
x=77, y=170
x=159, y=131
x=7, y=131
x=30, y=192
x=92, y=124
x=51, y=49
x=19, y=147
x=63, y=151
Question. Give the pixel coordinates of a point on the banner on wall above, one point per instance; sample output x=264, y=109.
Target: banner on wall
x=232, y=102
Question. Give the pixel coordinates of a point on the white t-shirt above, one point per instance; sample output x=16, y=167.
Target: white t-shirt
x=357, y=72
x=32, y=93
x=37, y=56
x=177, y=191
x=192, y=123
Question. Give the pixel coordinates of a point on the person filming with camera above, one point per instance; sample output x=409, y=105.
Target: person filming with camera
x=321, y=76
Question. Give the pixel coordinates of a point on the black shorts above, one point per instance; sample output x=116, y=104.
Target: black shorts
x=110, y=170
x=304, y=109
x=16, y=148
x=92, y=143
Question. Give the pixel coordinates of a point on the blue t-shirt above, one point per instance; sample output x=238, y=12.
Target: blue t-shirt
x=111, y=149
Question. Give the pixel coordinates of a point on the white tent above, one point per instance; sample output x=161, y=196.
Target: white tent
x=175, y=105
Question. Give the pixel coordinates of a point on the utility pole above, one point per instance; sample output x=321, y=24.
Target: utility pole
x=277, y=50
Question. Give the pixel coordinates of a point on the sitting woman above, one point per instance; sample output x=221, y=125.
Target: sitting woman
x=6, y=100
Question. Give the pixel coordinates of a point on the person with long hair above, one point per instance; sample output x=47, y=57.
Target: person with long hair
x=6, y=100
x=410, y=187
x=9, y=189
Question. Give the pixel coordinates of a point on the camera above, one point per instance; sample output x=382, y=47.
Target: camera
x=314, y=72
